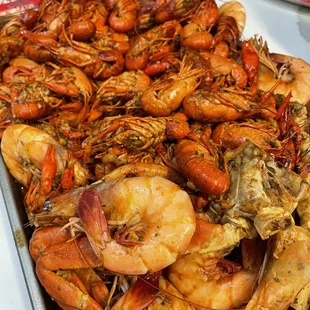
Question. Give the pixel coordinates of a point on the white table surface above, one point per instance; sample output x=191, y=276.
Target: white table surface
x=286, y=28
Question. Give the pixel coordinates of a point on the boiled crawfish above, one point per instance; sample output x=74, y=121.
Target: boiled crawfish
x=134, y=133
x=161, y=39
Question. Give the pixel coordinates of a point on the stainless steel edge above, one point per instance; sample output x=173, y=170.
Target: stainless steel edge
x=299, y=2
x=4, y=19
x=17, y=216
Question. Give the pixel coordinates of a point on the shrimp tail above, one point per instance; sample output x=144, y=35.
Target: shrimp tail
x=93, y=219
x=141, y=294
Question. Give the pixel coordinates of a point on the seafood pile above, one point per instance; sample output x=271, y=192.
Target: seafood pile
x=164, y=161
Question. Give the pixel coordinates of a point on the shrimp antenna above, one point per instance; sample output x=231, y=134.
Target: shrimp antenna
x=180, y=298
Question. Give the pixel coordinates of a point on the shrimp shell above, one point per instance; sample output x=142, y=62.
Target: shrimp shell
x=236, y=10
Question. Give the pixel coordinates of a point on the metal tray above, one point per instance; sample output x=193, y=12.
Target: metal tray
x=18, y=219
x=305, y=3
x=29, y=4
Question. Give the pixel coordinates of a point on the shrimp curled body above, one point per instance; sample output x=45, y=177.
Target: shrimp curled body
x=24, y=149
x=157, y=218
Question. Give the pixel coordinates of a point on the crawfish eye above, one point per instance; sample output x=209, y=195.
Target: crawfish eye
x=47, y=206
x=274, y=143
x=199, y=153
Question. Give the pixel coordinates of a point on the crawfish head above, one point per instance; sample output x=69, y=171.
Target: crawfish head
x=134, y=133
x=10, y=47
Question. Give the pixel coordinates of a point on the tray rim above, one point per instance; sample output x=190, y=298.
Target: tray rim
x=299, y=3
x=32, y=284
x=4, y=19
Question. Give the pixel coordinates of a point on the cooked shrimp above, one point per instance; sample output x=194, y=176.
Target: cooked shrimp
x=302, y=300
x=140, y=294
x=236, y=10
x=229, y=26
x=143, y=294
x=294, y=75
x=286, y=274
x=291, y=74
x=61, y=208
x=158, y=222
x=24, y=150
x=210, y=238
x=171, y=301
x=217, y=283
